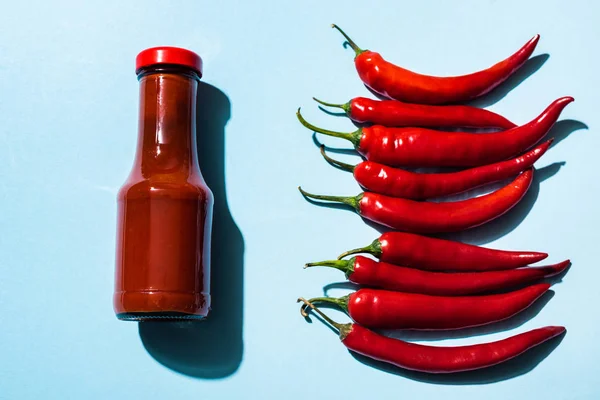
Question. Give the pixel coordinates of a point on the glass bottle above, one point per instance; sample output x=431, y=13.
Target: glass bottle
x=165, y=207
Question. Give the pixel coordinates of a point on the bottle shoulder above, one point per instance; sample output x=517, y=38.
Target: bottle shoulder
x=165, y=186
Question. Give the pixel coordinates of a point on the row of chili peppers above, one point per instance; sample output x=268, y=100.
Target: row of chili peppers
x=423, y=282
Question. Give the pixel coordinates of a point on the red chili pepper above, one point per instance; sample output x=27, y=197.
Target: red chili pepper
x=425, y=217
x=395, y=182
x=395, y=113
x=395, y=82
x=366, y=271
x=420, y=147
x=383, y=309
x=427, y=253
x=436, y=359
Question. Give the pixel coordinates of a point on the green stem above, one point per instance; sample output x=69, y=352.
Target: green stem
x=345, y=106
x=339, y=164
x=341, y=302
x=344, y=329
x=373, y=249
x=346, y=266
x=353, y=137
x=352, y=201
x=356, y=49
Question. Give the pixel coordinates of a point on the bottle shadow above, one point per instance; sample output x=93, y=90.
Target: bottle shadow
x=213, y=348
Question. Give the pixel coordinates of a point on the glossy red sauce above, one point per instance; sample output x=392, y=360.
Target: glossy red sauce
x=164, y=207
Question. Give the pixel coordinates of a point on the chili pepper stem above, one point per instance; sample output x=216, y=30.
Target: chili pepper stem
x=334, y=162
x=353, y=137
x=352, y=201
x=346, y=266
x=356, y=49
x=343, y=329
x=345, y=106
x=341, y=265
x=373, y=249
x=341, y=302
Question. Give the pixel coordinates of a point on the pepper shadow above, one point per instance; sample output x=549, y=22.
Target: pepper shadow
x=563, y=128
x=346, y=285
x=557, y=279
x=213, y=348
x=508, y=222
x=530, y=67
x=333, y=113
x=517, y=366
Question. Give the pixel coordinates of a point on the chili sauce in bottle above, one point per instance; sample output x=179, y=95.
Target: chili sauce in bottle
x=164, y=207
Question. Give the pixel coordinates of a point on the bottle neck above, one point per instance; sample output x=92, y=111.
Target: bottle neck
x=167, y=123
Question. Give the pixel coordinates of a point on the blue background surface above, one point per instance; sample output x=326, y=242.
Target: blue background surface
x=68, y=106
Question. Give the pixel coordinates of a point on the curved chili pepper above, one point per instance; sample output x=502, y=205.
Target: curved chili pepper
x=395, y=113
x=366, y=271
x=420, y=147
x=425, y=217
x=395, y=182
x=397, y=83
x=436, y=359
x=442, y=255
x=383, y=309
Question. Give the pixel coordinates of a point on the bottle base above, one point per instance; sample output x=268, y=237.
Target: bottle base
x=159, y=316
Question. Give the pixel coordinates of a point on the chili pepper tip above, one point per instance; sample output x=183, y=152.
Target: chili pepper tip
x=559, y=268
x=557, y=330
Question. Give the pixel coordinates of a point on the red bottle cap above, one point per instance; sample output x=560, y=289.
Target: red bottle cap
x=168, y=55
